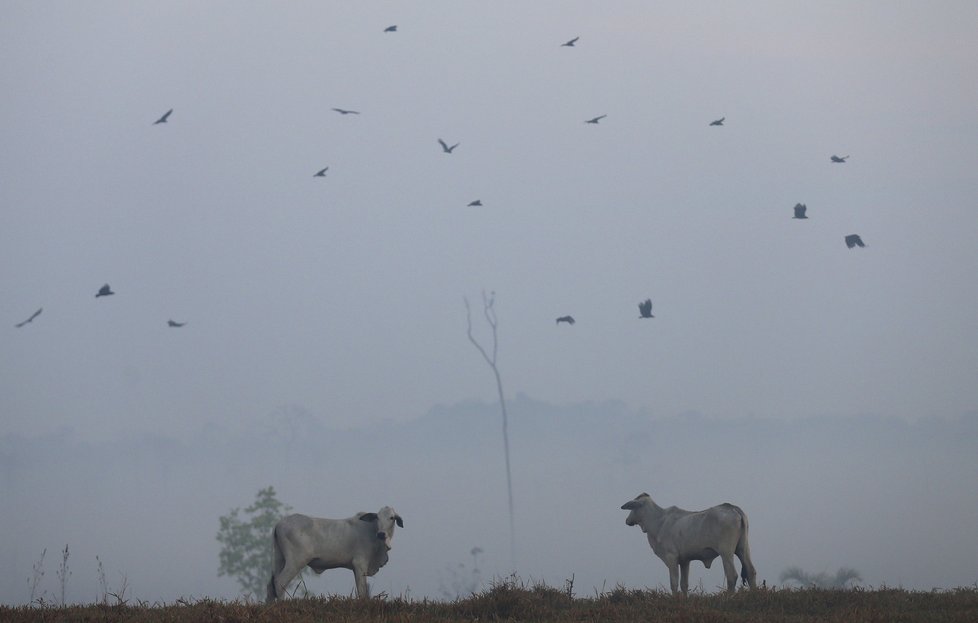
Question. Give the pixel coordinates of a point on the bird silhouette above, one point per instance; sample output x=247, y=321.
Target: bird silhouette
x=321, y=172
x=853, y=240
x=104, y=291
x=343, y=111
x=800, y=210
x=839, y=159
x=645, y=309
x=391, y=28
x=445, y=148
x=477, y=202
x=595, y=120
x=718, y=121
x=164, y=117
x=31, y=319
x=567, y=319
x=174, y=323
x=570, y=43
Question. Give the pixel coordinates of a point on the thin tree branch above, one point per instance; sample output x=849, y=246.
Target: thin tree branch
x=468, y=319
x=490, y=314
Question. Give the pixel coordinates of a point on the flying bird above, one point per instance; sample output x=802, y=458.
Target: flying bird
x=853, y=240
x=800, y=210
x=477, y=202
x=31, y=319
x=838, y=159
x=445, y=148
x=164, y=117
x=645, y=309
x=391, y=28
x=321, y=172
x=174, y=323
x=595, y=120
x=104, y=291
x=570, y=43
x=718, y=121
x=567, y=319
x=343, y=111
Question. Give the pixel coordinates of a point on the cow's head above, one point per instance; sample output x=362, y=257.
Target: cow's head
x=385, y=519
x=635, y=507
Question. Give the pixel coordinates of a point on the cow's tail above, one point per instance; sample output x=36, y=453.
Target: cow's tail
x=748, y=574
x=278, y=563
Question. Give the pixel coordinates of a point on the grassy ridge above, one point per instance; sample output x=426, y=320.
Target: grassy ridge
x=513, y=601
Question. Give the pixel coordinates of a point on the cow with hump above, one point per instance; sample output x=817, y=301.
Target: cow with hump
x=679, y=537
x=359, y=543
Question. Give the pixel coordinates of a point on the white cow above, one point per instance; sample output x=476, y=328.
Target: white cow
x=359, y=543
x=679, y=536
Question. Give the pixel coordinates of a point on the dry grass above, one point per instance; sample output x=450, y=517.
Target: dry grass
x=512, y=600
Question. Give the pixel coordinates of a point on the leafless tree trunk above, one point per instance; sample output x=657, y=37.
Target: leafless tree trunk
x=490, y=314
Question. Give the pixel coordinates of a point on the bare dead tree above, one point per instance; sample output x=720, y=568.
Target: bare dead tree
x=490, y=314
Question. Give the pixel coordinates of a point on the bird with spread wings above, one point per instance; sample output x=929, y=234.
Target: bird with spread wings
x=31, y=319
x=445, y=148
x=645, y=309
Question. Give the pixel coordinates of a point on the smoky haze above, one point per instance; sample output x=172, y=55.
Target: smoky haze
x=836, y=387
x=890, y=498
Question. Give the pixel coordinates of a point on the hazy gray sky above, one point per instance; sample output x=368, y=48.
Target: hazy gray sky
x=344, y=294
x=340, y=298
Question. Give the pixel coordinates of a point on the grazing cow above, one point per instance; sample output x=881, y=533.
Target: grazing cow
x=359, y=543
x=679, y=536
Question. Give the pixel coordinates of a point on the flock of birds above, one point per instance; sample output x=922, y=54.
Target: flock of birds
x=105, y=290
x=644, y=307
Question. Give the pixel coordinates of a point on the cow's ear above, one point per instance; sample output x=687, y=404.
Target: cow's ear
x=400, y=522
x=368, y=517
x=629, y=505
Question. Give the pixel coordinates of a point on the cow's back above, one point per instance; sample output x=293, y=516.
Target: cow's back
x=331, y=541
x=293, y=523
x=727, y=515
x=693, y=531
x=736, y=515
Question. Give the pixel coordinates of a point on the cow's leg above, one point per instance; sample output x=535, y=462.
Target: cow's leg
x=673, y=566
x=282, y=578
x=747, y=571
x=729, y=570
x=684, y=576
x=359, y=574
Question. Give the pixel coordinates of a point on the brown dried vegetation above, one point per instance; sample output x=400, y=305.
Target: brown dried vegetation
x=512, y=600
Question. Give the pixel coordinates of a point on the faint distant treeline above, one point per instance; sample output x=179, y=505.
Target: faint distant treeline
x=843, y=578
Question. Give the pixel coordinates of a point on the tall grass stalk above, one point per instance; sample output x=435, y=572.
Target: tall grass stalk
x=37, y=574
x=63, y=573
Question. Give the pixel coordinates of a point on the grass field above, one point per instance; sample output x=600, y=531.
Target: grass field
x=512, y=600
